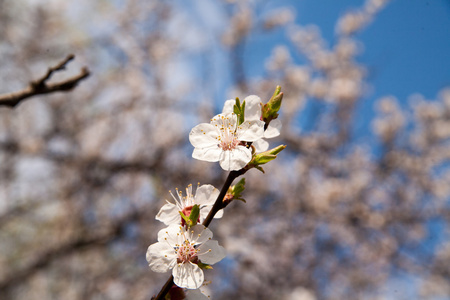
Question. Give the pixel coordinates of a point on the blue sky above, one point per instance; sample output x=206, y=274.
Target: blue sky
x=406, y=48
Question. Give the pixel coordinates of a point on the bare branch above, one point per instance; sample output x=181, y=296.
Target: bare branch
x=40, y=86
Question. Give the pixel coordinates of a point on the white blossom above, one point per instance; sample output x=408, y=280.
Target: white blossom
x=180, y=250
x=204, y=197
x=223, y=140
x=253, y=112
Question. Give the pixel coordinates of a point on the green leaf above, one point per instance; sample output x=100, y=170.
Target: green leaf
x=237, y=107
x=239, y=110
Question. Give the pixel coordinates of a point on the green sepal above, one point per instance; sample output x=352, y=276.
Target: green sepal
x=193, y=217
x=204, y=266
x=239, y=110
x=260, y=168
x=186, y=219
x=271, y=108
x=195, y=213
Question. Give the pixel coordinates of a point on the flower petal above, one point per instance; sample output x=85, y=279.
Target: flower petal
x=218, y=214
x=210, y=154
x=273, y=130
x=235, y=159
x=197, y=294
x=228, y=106
x=170, y=235
x=252, y=108
x=204, y=211
x=160, y=256
x=211, y=252
x=188, y=275
x=203, y=135
x=206, y=195
x=250, y=131
x=200, y=234
x=260, y=145
x=169, y=214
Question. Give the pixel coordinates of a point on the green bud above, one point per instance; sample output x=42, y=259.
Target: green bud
x=271, y=108
x=235, y=191
x=238, y=188
x=264, y=157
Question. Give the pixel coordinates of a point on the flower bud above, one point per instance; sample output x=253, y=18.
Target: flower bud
x=271, y=108
x=234, y=192
x=264, y=157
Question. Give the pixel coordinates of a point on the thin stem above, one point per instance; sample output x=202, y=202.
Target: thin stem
x=218, y=205
x=165, y=289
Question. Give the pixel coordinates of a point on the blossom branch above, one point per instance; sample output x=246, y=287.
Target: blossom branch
x=218, y=205
x=229, y=139
x=40, y=86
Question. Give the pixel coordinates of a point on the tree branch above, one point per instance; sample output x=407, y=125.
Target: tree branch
x=40, y=86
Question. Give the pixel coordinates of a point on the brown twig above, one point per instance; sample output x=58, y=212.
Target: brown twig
x=40, y=86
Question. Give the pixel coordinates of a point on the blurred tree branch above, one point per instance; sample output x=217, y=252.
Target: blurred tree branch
x=83, y=241
x=40, y=86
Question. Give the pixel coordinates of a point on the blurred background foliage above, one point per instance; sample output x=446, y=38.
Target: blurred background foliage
x=339, y=215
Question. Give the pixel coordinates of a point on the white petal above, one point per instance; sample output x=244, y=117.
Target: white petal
x=218, y=214
x=252, y=108
x=228, y=107
x=196, y=295
x=169, y=214
x=188, y=275
x=200, y=234
x=204, y=211
x=250, y=131
x=210, y=154
x=261, y=145
x=170, y=235
x=235, y=159
x=206, y=195
x=216, y=254
x=273, y=130
x=203, y=135
x=160, y=256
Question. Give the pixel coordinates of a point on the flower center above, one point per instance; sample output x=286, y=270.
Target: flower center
x=186, y=253
x=227, y=138
x=228, y=144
